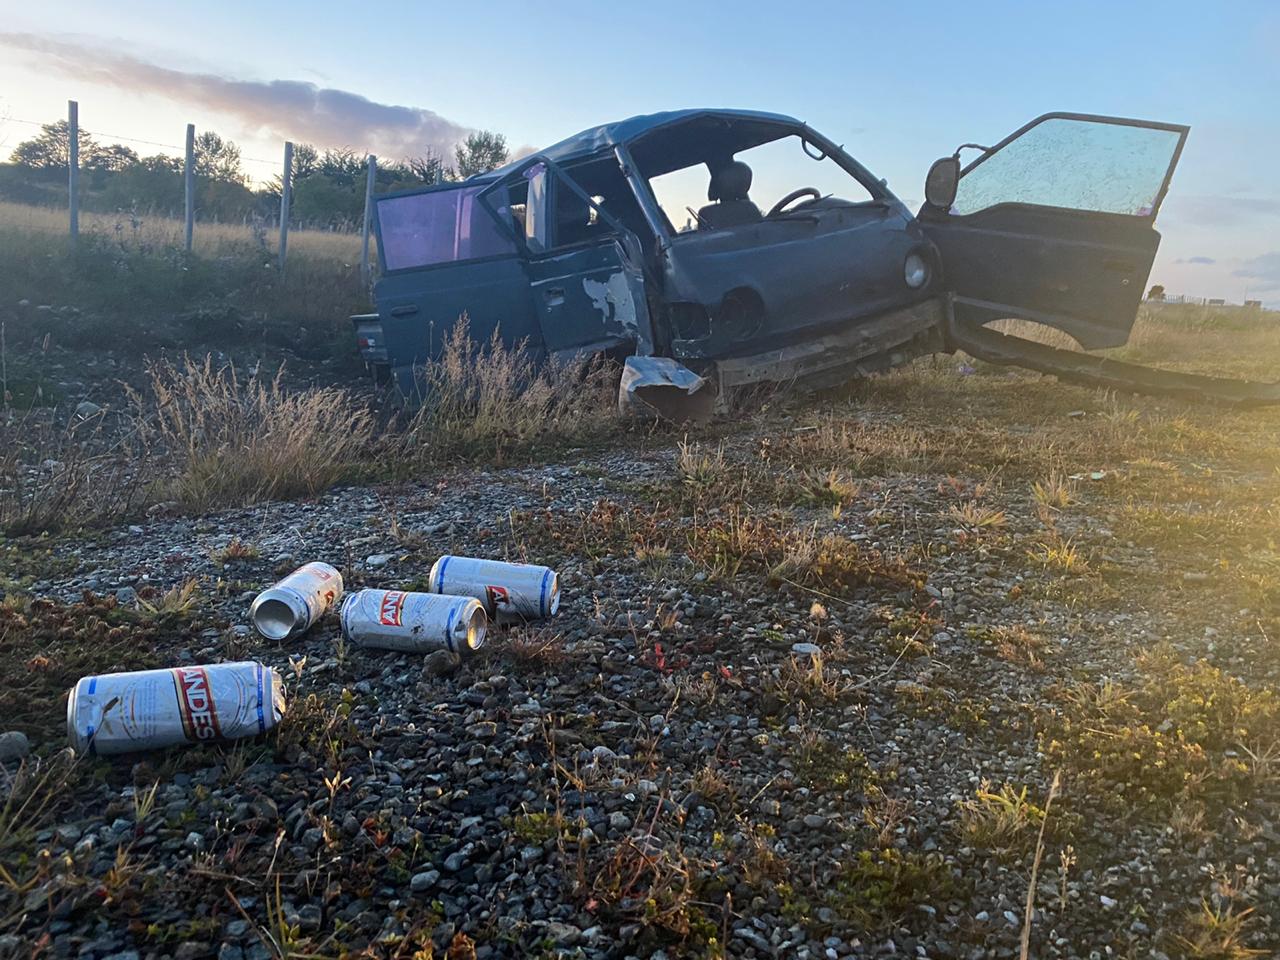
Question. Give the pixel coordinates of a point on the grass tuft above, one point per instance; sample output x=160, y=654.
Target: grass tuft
x=485, y=401
x=236, y=441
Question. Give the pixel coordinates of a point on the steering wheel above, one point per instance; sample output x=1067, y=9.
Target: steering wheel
x=812, y=192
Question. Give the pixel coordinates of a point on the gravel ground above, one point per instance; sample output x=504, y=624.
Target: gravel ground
x=690, y=760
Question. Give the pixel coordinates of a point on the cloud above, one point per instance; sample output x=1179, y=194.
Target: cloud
x=1208, y=210
x=1202, y=260
x=1264, y=270
x=286, y=109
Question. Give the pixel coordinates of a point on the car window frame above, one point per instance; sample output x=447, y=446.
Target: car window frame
x=558, y=177
x=383, y=271
x=877, y=187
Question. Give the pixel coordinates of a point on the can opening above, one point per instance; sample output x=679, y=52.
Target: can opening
x=472, y=628
x=274, y=619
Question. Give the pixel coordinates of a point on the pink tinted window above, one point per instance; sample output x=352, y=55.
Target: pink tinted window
x=444, y=226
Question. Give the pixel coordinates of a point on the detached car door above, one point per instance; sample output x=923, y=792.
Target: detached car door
x=443, y=255
x=1055, y=224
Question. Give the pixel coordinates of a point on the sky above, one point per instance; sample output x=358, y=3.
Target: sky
x=899, y=84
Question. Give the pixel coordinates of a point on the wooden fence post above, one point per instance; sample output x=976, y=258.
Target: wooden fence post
x=73, y=167
x=286, y=183
x=189, y=181
x=368, y=220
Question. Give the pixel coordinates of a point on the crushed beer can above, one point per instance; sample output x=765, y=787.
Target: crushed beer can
x=296, y=602
x=509, y=591
x=150, y=709
x=414, y=622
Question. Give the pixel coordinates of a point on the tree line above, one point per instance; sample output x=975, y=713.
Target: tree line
x=328, y=185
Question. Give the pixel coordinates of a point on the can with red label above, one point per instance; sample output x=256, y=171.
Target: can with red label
x=509, y=591
x=296, y=602
x=149, y=709
x=414, y=622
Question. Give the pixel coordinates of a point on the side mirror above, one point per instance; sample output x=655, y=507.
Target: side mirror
x=941, y=183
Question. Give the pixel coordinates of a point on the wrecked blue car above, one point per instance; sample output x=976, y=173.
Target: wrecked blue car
x=712, y=249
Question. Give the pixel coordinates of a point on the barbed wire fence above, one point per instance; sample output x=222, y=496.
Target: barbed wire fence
x=188, y=152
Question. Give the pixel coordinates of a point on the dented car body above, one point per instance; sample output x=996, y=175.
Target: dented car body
x=581, y=248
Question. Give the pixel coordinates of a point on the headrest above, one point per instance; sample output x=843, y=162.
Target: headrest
x=730, y=182
x=570, y=208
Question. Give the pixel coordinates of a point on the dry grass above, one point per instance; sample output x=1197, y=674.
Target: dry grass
x=1217, y=933
x=131, y=287
x=698, y=467
x=209, y=239
x=56, y=477
x=235, y=441
x=1000, y=819
x=485, y=401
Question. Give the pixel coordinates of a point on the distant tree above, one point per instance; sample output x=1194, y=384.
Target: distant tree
x=306, y=160
x=1156, y=292
x=481, y=152
x=343, y=166
x=429, y=168
x=52, y=148
x=161, y=163
x=113, y=157
x=218, y=159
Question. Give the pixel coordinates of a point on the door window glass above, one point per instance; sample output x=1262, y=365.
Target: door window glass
x=441, y=226
x=1076, y=164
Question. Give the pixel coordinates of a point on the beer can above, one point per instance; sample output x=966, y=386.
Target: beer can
x=414, y=622
x=509, y=591
x=296, y=602
x=149, y=709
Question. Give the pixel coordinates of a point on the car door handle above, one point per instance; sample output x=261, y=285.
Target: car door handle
x=407, y=310
x=554, y=296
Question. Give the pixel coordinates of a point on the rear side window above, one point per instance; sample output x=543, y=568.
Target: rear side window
x=442, y=226
x=1077, y=164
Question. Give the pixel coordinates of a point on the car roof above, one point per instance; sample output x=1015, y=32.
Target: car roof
x=595, y=139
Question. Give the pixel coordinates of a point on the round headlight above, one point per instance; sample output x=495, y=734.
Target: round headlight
x=915, y=271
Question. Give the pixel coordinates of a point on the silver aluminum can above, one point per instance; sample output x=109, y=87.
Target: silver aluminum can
x=296, y=602
x=509, y=591
x=149, y=709
x=414, y=622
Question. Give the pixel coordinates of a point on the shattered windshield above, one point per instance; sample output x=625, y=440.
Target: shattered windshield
x=777, y=168
x=1075, y=164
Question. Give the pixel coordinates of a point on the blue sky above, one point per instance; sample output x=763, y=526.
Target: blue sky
x=899, y=84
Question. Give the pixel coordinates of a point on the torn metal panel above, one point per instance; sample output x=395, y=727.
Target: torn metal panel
x=660, y=386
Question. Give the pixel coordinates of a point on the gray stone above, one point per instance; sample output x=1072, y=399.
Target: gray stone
x=14, y=745
x=563, y=933
x=422, y=882
x=86, y=409
x=440, y=663
x=530, y=855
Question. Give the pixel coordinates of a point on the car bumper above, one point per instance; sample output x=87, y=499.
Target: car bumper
x=869, y=345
